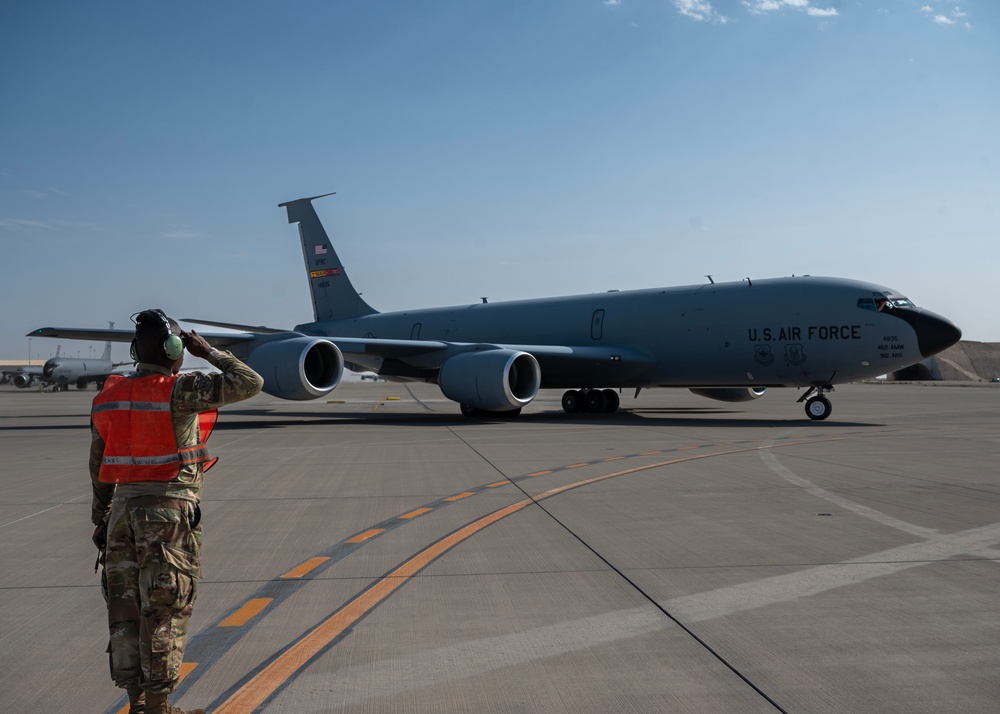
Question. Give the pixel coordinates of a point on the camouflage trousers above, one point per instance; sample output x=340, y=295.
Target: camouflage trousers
x=152, y=566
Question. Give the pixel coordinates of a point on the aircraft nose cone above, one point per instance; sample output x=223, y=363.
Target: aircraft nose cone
x=934, y=333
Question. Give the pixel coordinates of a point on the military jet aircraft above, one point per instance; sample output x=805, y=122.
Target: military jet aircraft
x=725, y=341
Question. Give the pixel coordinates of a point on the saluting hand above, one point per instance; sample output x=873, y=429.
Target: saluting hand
x=197, y=345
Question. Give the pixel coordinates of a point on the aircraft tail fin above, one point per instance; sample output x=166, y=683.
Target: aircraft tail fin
x=333, y=295
x=107, y=345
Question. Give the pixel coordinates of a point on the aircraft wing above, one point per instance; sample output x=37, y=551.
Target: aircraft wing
x=557, y=359
x=219, y=339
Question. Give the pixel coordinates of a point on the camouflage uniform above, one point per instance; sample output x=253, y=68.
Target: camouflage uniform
x=153, y=553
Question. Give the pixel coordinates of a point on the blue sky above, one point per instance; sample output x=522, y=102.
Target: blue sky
x=500, y=149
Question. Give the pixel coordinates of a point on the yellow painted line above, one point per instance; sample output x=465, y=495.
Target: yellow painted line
x=614, y=458
x=336, y=401
x=574, y=466
x=418, y=512
x=184, y=671
x=539, y=473
x=255, y=692
x=392, y=399
x=688, y=448
x=245, y=613
x=497, y=484
x=362, y=537
x=304, y=568
x=460, y=496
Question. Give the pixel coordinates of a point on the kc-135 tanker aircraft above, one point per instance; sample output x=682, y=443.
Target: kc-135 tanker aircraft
x=724, y=341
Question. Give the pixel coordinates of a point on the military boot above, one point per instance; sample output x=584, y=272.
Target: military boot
x=159, y=703
x=136, y=699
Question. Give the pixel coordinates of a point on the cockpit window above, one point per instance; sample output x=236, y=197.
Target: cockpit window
x=880, y=302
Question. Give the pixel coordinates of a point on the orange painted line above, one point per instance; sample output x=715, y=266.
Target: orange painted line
x=688, y=448
x=460, y=496
x=614, y=458
x=301, y=570
x=245, y=613
x=574, y=466
x=539, y=473
x=497, y=484
x=650, y=453
x=418, y=512
x=362, y=537
x=255, y=692
x=184, y=671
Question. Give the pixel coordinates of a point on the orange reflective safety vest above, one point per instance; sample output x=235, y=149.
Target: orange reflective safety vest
x=132, y=415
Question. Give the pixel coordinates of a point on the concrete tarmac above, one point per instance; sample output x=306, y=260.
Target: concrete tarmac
x=375, y=551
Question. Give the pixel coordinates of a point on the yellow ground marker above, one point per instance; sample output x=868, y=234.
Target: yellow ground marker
x=255, y=692
x=497, y=484
x=539, y=473
x=416, y=513
x=574, y=466
x=245, y=613
x=301, y=570
x=460, y=496
x=362, y=537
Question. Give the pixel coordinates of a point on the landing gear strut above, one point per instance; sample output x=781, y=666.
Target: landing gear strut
x=594, y=401
x=818, y=407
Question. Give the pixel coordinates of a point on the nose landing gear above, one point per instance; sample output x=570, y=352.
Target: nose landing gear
x=818, y=407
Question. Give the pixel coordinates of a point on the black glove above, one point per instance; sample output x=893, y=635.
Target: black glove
x=100, y=539
x=100, y=536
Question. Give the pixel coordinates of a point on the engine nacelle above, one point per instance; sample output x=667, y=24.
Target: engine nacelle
x=299, y=368
x=491, y=380
x=23, y=380
x=730, y=394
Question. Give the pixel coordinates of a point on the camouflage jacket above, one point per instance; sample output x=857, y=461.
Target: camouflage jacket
x=193, y=392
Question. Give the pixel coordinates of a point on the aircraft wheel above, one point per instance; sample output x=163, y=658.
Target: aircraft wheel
x=595, y=401
x=611, y=401
x=818, y=408
x=571, y=401
x=469, y=411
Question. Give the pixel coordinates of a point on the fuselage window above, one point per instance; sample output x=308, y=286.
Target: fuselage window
x=866, y=304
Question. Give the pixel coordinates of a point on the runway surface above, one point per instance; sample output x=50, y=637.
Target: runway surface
x=382, y=553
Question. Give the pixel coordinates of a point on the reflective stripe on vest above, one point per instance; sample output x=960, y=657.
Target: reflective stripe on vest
x=132, y=415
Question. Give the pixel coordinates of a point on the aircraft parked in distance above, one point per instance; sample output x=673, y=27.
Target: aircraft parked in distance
x=59, y=372
x=724, y=341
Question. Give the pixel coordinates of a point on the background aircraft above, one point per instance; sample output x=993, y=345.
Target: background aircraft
x=60, y=371
x=724, y=341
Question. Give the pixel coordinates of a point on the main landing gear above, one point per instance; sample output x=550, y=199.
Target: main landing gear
x=594, y=401
x=818, y=407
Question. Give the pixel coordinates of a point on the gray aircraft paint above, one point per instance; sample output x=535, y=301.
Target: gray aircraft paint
x=783, y=332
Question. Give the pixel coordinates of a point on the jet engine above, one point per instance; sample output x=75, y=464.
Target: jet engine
x=23, y=380
x=730, y=394
x=492, y=380
x=299, y=368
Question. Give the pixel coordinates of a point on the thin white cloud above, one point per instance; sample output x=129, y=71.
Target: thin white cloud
x=942, y=20
x=180, y=233
x=759, y=7
x=22, y=224
x=927, y=8
x=700, y=10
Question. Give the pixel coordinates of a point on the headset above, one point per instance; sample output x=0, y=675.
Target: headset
x=171, y=346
